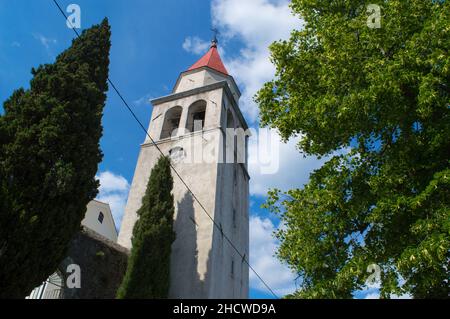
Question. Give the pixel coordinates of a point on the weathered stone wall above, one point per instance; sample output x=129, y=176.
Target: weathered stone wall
x=102, y=262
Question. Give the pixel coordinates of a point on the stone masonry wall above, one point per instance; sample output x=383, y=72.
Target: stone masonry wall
x=102, y=262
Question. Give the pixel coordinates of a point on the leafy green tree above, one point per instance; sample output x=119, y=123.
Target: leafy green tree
x=148, y=271
x=49, y=153
x=376, y=101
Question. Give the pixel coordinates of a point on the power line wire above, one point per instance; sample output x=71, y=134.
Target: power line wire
x=173, y=168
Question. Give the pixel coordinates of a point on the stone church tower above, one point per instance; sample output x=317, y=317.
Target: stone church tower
x=190, y=125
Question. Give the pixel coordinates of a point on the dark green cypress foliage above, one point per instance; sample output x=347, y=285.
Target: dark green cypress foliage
x=148, y=272
x=49, y=153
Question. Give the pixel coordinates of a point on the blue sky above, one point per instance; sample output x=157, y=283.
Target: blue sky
x=152, y=42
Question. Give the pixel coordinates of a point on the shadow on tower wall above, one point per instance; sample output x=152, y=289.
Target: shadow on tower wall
x=185, y=279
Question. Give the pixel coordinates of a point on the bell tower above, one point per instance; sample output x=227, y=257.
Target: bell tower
x=192, y=126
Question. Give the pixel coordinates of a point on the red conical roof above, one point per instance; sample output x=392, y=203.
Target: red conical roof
x=212, y=60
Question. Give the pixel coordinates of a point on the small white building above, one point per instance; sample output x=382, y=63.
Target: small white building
x=99, y=219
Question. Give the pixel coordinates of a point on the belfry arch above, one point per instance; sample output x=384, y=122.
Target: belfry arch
x=196, y=116
x=171, y=122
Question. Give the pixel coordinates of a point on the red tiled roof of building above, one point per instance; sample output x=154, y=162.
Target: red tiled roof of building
x=212, y=60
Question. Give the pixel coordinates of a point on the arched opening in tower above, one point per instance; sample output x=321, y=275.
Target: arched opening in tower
x=196, y=117
x=230, y=139
x=230, y=120
x=171, y=122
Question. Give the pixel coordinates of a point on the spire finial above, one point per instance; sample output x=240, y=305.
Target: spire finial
x=214, y=40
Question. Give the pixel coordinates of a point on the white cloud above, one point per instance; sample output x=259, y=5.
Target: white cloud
x=373, y=295
x=114, y=191
x=257, y=23
x=45, y=41
x=195, y=45
x=16, y=44
x=292, y=169
x=109, y=182
x=144, y=100
x=262, y=249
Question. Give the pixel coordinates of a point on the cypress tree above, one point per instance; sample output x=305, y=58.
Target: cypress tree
x=148, y=272
x=49, y=154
